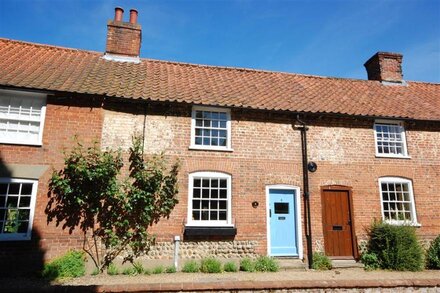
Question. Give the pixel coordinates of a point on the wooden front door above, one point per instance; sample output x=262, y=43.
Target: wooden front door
x=337, y=222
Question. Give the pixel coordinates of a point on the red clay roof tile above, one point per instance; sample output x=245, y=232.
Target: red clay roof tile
x=44, y=67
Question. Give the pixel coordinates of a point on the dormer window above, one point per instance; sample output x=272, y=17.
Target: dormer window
x=390, y=139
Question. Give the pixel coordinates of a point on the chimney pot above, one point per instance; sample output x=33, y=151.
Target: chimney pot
x=133, y=16
x=385, y=66
x=118, y=13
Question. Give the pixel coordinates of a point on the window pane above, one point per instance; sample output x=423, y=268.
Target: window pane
x=23, y=227
x=25, y=201
x=205, y=182
x=205, y=193
x=196, y=204
x=199, y=122
x=12, y=202
x=197, y=182
x=223, y=183
x=206, y=141
x=198, y=141
x=2, y=201
x=3, y=188
x=222, y=216
x=196, y=193
x=214, y=182
x=23, y=215
x=223, y=193
x=26, y=189
x=214, y=205
x=214, y=216
x=214, y=193
x=214, y=141
x=2, y=214
x=196, y=215
x=14, y=188
x=205, y=215
x=205, y=204
x=222, y=204
x=222, y=142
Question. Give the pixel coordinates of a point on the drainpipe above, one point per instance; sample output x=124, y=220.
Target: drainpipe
x=307, y=223
x=176, y=252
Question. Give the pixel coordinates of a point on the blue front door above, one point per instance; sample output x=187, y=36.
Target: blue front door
x=282, y=222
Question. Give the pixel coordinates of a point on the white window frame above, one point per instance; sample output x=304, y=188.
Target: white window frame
x=194, y=146
x=414, y=221
x=404, y=144
x=28, y=234
x=19, y=94
x=209, y=223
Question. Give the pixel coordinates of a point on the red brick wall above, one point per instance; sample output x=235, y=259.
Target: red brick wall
x=123, y=38
x=267, y=150
x=65, y=118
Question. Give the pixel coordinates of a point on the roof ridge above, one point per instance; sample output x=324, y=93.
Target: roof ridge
x=51, y=46
x=257, y=70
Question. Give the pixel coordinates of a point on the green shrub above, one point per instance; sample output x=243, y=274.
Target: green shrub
x=230, y=267
x=266, y=264
x=129, y=271
x=95, y=272
x=370, y=261
x=170, y=270
x=396, y=247
x=138, y=267
x=191, y=267
x=247, y=265
x=158, y=270
x=112, y=270
x=211, y=265
x=70, y=265
x=321, y=262
x=433, y=255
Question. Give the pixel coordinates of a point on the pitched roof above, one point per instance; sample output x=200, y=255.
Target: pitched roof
x=44, y=67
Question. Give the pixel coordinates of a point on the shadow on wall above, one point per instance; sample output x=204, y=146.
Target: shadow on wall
x=21, y=262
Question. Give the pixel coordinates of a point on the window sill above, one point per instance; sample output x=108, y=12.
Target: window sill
x=392, y=156
x=21, y=143
x=15, y=237
x=210, y=231
x=403, y=223
x=206, y=148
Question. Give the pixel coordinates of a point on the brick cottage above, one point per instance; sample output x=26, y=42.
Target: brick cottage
x=272, y=163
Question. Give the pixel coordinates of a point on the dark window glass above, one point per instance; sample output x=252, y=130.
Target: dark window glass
x=281, y=208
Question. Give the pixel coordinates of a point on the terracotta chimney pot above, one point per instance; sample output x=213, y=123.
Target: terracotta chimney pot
x=118, y=13
x=133, y=16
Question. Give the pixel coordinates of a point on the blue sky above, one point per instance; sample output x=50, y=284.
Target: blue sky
x=327, y=38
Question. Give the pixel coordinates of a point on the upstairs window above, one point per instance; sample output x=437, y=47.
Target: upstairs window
x=390, y=139
x=397, y=200
x=211, y=129
x=17, y=203
x=21, y=117
x=209, y=199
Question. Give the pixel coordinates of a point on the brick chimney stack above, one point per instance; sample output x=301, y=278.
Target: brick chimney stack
x=385, y=66
x=124, y=38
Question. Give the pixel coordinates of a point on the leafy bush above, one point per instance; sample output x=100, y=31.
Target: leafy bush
x=129, y=271
x=230, y=267
x=370, y=261
x=158, y=270
x=170, y=270
x=211, y=265
x=138, y=267
x=95, y=272
x=396, y=247
x=112, y=270
x=70, y=265
x=321, y=262
x=433, y=255
x=247, y=265
x=191, y=267
x=266, y=264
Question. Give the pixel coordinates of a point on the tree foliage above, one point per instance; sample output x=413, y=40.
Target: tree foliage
x=113, y=212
